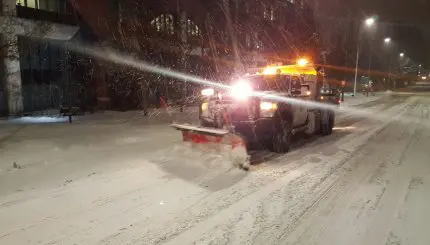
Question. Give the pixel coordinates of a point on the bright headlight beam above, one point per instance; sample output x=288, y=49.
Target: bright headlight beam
x=127, y=60
x=241, y=90
x=114, y=57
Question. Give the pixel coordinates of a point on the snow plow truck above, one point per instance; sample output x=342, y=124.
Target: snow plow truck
x=268, y=107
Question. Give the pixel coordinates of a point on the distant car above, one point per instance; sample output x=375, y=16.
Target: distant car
x=331, y=96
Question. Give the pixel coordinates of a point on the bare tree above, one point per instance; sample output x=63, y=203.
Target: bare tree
x=162, y=41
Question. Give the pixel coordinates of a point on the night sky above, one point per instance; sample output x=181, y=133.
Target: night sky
x=406, y=21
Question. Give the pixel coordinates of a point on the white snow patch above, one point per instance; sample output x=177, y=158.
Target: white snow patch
x=39, y=120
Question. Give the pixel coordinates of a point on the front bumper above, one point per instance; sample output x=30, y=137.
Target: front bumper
x=253, y=130
x=258, y=130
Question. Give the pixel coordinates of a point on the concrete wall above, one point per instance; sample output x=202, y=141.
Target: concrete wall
x=11, y=77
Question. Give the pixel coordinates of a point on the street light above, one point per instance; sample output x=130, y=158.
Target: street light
x=402, y=54
x=369, y=22
x=387, y=40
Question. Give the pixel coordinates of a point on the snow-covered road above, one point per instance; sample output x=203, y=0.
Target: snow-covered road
x=124, y=183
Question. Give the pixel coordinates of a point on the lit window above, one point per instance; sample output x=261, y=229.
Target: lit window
x=28, y=3
x=192, y=28
x=164, y=23
x=48, y=5
x=258, y=43
x=272, y=14
x=266, y=12
x=248, y=41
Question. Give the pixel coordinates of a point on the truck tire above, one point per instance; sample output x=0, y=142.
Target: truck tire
x=311, y=127
x=281, y=138
x=327, y=122
x=205, y=123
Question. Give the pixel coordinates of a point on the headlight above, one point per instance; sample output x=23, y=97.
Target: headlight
x=241, y=90
x=205, y=106
x=267, y=109
x=208, y=92
x=266, y=106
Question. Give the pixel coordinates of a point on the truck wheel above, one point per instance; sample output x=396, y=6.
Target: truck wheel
x=327, y=123
x=205, y=123
x=219, y=122
x=281, y=139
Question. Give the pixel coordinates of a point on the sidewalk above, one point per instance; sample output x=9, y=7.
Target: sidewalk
x=155, y=116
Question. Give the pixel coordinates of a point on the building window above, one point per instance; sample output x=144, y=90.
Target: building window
x=266, y=12
x=248, y=41
x=192, y=29
x=48, y=5
x=258, y=43
x=269, y=12
x=272, y=14
x=164, y=23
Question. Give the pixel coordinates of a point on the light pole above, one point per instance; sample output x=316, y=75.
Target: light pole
x=369, y=22
x=402, y=55
x=387, y=41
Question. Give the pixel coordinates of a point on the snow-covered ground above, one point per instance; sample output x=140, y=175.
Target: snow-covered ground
x=117, y=178
x=359, y=98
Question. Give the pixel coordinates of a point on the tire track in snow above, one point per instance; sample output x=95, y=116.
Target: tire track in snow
x=345, y=191
x=208, y=226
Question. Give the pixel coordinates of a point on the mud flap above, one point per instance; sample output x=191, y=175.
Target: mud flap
x=221, y=140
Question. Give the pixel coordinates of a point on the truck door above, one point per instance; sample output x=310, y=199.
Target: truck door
x=299, y=110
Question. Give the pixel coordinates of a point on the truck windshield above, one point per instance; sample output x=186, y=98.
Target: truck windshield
x=278, y=83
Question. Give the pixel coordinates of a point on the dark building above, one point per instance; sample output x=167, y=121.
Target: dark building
x=211, y=39
x=34, y=67
x=40, y=73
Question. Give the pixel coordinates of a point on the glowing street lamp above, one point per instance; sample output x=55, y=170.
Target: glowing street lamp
x=402, y=54
x=387, y=40
x=369, y=21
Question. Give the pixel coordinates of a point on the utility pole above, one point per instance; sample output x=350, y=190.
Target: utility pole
x=356, y=66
